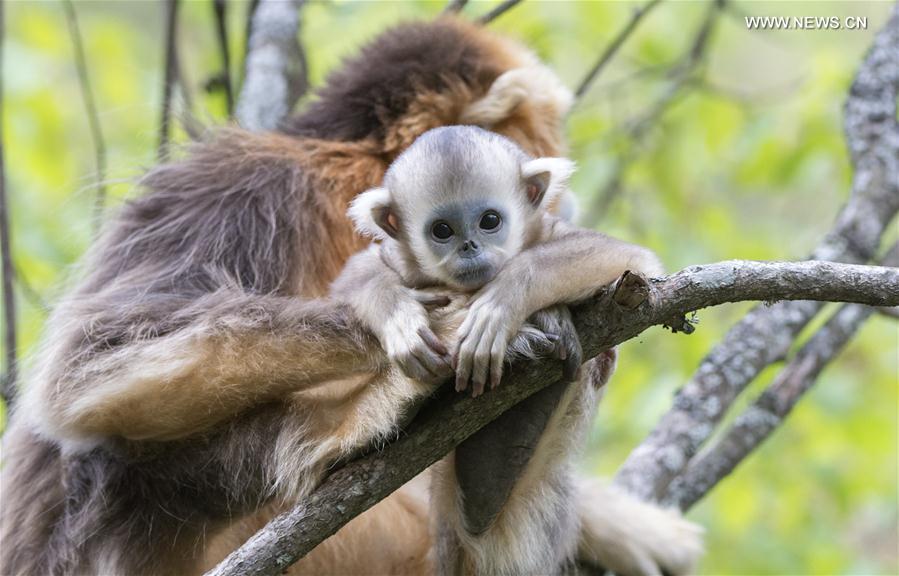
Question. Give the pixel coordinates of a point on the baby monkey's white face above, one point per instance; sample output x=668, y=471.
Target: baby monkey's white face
x=468, y=242
x=460, y=202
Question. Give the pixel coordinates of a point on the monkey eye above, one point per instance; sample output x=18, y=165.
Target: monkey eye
x=441, y=230
x=490, y=220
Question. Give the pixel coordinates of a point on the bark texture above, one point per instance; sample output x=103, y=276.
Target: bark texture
x=275, y=68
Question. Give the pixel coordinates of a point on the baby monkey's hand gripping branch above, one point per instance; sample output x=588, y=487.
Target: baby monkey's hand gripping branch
x=569, y=265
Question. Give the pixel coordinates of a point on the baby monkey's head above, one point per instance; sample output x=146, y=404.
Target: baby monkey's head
x=461, y=201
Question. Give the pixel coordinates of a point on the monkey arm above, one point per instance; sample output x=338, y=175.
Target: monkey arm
x=571, y=265
x=132, y=373
x=568, y=265
x=396, y=314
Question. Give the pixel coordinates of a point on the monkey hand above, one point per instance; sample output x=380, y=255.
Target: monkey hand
x=493, y=319
x=558, y=326
x=548, y=333
x=411, y=344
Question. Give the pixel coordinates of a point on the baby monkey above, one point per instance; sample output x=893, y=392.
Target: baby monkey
x=467, y=211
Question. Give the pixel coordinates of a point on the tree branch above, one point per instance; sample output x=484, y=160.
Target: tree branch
x=769, y=411
x=766, y=333
x=498, y=11
x=454, y=6
x=889, y=312
x=221, y=28
x=170, y=76
x=275, y=75
x=602, y=323
x=90, y=106
x=9, y=298
x=29, y=292
x=613, y=47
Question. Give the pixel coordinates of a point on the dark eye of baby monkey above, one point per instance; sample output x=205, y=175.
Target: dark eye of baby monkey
x=490, y=220
x=441, y=230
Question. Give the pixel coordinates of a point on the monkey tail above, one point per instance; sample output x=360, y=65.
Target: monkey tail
x=628, y=536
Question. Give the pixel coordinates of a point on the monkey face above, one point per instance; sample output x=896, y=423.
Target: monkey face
x=468, y=242
x=459, y=202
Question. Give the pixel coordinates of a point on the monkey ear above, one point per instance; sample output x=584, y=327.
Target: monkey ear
x=545, y=179
x=372, y=213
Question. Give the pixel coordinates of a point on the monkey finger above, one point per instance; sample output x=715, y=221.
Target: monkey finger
x=437, y=365
x=497, y=357
x=474, y=319
x=432, y=341
x=481, y=365
x=460, y=366
x=465, y=360
x=469, y=333
x=531, y=342
x=412, y=368
x=431, y=300
x=546, y=320
x=542, y=344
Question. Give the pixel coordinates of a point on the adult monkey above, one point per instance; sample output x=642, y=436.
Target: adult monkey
x=174, y=402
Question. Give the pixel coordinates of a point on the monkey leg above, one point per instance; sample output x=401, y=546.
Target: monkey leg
x=490, y=462
x=505, y=503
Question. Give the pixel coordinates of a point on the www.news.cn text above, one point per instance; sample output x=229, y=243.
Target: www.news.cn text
x=806, y=22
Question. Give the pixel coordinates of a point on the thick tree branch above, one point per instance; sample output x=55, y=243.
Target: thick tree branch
x=275, y=75
x=602, y=323
x=7, y=388
x=90, y=106
x=769, y=411
x=766, y=333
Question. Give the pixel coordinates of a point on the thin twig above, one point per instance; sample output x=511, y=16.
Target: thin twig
x=454, y=6
x=498, y=11
x=221, y=27
x=613, y=47
x=770, y=409
x=601, y=324
x=170, y=77
x=680, y=77
x=248, y=32
x=90, y=106
x=183, y=86
x=30, y=293
x=8, y=389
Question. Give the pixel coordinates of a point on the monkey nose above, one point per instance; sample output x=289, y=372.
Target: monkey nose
x=470, y=246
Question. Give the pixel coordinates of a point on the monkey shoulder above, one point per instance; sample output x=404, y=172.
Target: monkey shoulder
x=553, y=227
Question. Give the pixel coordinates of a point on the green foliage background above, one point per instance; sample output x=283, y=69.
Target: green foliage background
x=750, y=163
